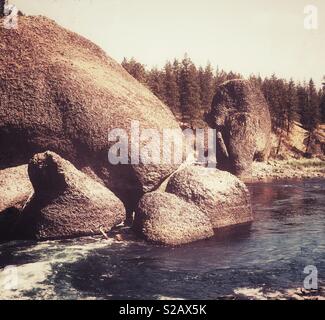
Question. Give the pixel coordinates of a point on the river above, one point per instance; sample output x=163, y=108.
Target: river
x=268, y=256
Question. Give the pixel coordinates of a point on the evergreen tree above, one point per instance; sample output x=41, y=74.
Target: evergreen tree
x=135, y=69
x=257, y=80
x=171, y=88
x=322, y=106
x=232, y=75
x=322, y=102
x=291, y=104
x=205, y=78
x=273, y=90
x=309, y=112
x=302, y=96
x=156, y=83
x=311, y=116
x=189, y=91
x=220, y=77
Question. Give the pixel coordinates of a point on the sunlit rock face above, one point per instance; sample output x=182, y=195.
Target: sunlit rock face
x=15, y=189
x=197, y=201
x=61, y=92
x=219, y=194
x=66, y=202
x=241, y=115
x=164, y=218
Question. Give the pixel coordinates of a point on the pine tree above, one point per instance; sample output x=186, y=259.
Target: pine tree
x=322, y=102
x=135, y=69
x=171, y=88
x=257, y=80
x=156, y=83
x=189, y=91
x=302, y=96
x=220, y=77
x=291, y=104
x=232, y=75
x=310, y=115
x=206, y=86
x=273, y=90
x=322, y=106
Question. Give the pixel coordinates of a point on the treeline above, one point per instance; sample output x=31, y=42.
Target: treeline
x=188, y=91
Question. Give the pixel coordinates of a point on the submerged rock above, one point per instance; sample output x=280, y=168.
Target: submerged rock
x=219, y=194
x=166, y=219
x=241, y=115
x=66, y=202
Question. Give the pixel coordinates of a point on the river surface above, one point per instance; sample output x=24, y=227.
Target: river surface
x=269, y=255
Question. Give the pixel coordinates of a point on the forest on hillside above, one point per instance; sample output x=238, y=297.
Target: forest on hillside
x=188, y=90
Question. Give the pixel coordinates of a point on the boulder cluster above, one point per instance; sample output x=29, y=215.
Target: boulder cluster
x=60, y=96
x=196, y=202
x=51, y=199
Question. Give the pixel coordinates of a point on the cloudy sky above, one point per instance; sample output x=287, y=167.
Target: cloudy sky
x=251, y=36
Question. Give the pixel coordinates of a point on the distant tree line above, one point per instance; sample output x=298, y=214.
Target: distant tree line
x=188, y=91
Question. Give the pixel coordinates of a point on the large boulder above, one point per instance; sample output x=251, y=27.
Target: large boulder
x=15, y=189
x=61, y=92
x=219, y=194
x=241, y=116
x=66, y=202
x=165, y=219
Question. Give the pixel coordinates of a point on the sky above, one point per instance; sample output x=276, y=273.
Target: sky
x=251, y=36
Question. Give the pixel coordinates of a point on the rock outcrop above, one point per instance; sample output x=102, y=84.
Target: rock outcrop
x=15, y=189
x=66, y=202
x=196, y=201
x=61, y=92
x=241, y=115
x=164, y=218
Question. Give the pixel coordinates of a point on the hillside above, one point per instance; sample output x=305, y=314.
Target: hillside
x=294, y=144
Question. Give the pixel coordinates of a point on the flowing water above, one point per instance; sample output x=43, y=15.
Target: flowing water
x=269, y=255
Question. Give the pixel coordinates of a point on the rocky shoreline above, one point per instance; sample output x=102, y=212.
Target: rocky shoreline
x=287, y=170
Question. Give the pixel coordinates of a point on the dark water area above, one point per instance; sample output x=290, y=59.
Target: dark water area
x=287, y=235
